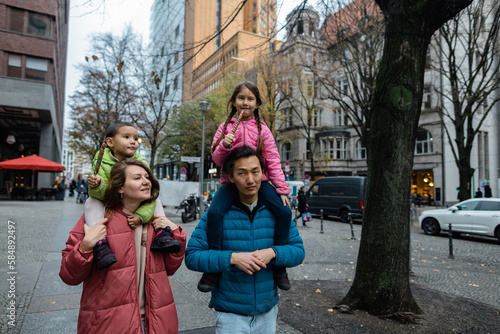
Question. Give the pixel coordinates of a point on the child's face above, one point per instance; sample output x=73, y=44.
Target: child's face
x=124, y=143
x=246, y=101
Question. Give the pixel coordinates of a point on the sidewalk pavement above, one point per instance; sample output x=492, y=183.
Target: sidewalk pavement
x=44, y=304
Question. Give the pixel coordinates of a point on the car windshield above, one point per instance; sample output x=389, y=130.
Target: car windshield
x=468, y=206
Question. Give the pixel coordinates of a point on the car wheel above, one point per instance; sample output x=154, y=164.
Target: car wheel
x=497, y=233
x=344, y=216
x=431, y=226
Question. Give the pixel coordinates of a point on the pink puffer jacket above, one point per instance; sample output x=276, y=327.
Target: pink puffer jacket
x=247, y=134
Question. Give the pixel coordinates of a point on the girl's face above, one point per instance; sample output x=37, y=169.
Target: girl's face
x=124, y=143
x=137, y=186
x=245, y=100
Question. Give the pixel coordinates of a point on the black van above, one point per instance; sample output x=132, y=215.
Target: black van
x=338, y=196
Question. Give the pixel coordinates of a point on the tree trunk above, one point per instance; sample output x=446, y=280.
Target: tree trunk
x=381, y=284
x=465, y=173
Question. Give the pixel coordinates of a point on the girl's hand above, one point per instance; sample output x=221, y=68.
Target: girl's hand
x=133, y=221
x=160, y=222
x=284, y=199
x=94, y=181
x=93, y=234
x=228, y=140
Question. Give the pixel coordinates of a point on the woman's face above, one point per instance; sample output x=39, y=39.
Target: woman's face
x=137, y=185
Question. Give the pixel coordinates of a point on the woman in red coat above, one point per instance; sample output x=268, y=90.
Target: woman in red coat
x=133, y=295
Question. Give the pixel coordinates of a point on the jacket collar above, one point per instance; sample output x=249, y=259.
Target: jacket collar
x=237, y=203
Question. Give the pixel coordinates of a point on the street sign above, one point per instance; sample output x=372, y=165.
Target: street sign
x=183, y=170
x=212, y=171
x=287, y=173
x=191, y=159
x=287, y=163
x=306, y=176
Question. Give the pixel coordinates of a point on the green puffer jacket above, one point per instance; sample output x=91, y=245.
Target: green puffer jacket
x=145, y=212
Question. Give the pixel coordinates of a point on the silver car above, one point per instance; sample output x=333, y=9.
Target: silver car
x=479, y=216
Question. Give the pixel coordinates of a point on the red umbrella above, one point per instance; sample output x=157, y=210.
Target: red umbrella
x=32, y=162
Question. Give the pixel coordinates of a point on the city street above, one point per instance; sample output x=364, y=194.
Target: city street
x=35, y=300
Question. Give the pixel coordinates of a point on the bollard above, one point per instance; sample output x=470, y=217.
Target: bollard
x=352, y=229
x=321, y=231
x=450, y=235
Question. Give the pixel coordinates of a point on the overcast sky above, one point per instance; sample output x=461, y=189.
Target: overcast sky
x=116, y=14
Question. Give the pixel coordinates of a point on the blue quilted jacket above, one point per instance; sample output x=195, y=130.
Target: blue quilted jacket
x=238, y=292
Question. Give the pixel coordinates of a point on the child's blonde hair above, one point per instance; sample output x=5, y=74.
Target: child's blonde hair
x=255, y=91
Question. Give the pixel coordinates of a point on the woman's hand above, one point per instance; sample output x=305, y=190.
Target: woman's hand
x=133, y=221
x=247, y=262
x=284, y=199
x=228, y=140
x=160, y=222
x=93, y=234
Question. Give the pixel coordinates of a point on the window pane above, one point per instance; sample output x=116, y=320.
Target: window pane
x=38, y=24
x=15, y=60
x=37, y=64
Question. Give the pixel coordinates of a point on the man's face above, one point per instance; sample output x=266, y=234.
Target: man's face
x=247, y=176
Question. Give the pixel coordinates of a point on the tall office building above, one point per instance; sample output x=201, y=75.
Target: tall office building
x=33, y=47
x=207, y=39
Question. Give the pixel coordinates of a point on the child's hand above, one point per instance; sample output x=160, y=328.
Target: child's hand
x=94, y=181
x=133, y=221
x=284, y=199
x=228, y=140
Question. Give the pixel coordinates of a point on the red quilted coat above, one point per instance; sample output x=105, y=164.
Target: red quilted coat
x=110, y=300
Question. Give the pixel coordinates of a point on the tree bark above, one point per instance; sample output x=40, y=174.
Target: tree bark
x=381, y=283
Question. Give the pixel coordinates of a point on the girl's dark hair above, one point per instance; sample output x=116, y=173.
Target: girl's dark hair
x=113, y=128
x=117, y=179
x=232, y=111
x=241, y=152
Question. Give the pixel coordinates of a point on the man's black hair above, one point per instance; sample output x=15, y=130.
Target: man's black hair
x=113, y=128
x=238, y=153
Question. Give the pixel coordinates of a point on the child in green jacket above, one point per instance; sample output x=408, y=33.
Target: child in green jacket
x=122, y=143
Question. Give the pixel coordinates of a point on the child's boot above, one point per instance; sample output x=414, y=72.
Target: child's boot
x=208, y=281
x=165, y=243
x=103, y=254
x=281, y=278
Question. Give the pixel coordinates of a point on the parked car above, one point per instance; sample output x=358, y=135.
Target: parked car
x=338, y=196
x=479, y=216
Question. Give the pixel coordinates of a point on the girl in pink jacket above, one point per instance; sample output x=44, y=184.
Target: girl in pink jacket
x=254, y=133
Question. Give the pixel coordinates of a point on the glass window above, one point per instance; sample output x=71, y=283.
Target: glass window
x=489, y=206
x=314, y=191
x=360, y=150
x=423, y=144
x=14, y=66
x=39, y=24
x=468, y=206
x=36, y=68
x=286, y=151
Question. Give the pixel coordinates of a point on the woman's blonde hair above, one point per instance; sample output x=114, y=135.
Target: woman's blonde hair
x=232, y=111
x=117, y=178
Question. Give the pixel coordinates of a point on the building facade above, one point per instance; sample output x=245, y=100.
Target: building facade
x=320, y=135
x=33, y=47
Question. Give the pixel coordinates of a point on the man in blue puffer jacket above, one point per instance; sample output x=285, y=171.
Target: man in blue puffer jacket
x=246, y=296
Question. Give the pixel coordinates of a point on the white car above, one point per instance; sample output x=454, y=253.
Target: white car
x=479, y=216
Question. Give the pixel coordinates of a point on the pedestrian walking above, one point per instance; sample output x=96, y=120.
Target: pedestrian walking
x=487, y=191
x=134, y=295
x=302, y=207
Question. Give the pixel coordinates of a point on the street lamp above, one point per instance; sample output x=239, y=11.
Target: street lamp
x=203, y=108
